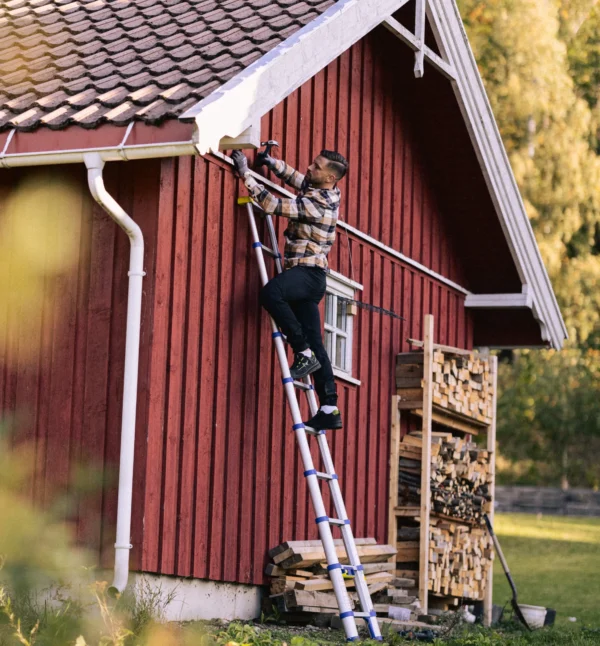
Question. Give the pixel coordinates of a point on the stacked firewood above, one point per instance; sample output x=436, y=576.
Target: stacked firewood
x=459, y=559
x=463, y=384
x=460, y=477
x=301, y=590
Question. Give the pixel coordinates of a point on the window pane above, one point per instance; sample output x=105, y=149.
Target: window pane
x=341, y=314
x=329, y=309
x=329, y=340
x=340, y=352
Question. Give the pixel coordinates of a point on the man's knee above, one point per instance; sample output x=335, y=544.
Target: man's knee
x=268, y=295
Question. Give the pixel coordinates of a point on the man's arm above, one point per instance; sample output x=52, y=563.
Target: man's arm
x=297, y=208
x=294, y=208
x=288, y=174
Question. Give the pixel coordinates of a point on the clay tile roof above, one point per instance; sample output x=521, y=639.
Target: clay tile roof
x=89, y=62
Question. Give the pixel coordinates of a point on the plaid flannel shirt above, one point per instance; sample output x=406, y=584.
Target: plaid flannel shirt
x=313, y=216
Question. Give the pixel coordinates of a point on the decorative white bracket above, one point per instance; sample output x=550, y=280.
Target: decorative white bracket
x=416, y=42
x=250, y=138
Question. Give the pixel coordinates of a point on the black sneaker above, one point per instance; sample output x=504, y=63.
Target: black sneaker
x=325, y=421
x=303, y=365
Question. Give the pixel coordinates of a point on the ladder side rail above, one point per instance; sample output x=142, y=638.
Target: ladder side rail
x=333, y=565
x=274, y=243
x=349, y=542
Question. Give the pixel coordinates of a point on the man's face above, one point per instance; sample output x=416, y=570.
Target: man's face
x=319, y=174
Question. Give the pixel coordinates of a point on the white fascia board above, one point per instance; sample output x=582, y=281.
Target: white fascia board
x=448, y=28
x=498, y=301
x=250, y=94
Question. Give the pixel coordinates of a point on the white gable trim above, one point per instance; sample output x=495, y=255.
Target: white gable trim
x=448, y=28
x=261, y=86
x=252, y=93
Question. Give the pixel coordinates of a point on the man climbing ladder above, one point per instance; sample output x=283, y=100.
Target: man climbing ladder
x=292, y=297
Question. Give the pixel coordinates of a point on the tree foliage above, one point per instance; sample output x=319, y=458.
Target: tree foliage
x=540, y=61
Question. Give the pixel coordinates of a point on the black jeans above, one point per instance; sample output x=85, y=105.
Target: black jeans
x=292, y=298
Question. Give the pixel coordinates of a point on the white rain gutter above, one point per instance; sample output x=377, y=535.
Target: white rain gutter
x=95, y=165
x=114, y=153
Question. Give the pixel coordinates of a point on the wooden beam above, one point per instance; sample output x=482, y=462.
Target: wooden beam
x=441, y=348
x=420, y=36
x=393, y=483
x=499, y=301
x=426, y=463
x=491, y=447
x=249, y=139
x=401, y=32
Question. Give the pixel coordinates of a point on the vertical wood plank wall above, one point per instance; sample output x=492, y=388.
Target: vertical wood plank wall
x=223, y=480
x=217, y=477
x=62, y=385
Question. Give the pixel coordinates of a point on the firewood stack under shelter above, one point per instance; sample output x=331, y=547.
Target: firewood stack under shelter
x=442, y=472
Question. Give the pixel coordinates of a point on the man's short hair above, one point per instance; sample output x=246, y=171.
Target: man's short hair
x=337, y=163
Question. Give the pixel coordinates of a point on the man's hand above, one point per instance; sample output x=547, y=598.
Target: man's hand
x=264, y=159
x=240, y=162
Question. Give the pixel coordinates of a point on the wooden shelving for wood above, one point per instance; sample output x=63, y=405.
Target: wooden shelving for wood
x=455, y=389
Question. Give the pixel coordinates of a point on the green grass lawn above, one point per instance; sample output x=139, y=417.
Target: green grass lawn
x=555, y=562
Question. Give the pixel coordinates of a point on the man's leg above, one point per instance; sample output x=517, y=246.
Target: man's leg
x=328, y=416
x=307, y=313
x=294, y=284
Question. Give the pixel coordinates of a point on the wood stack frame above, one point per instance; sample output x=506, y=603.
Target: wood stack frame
x=424, y=407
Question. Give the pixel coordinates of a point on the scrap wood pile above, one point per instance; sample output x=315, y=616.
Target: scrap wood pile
x=460, y=477
x=301, y=590
x=460, y=383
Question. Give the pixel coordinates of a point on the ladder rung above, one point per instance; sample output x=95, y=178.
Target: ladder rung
x=325, y=476
x=365, y=615
x=311, y=431
x=302, y=386
x=337, y=521
x=270, y=251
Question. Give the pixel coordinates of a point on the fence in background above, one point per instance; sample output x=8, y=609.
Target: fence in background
x=548, y=500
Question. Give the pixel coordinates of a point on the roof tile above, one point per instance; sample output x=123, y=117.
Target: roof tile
x=52, y=100
x=113, y=97
x=95, y=61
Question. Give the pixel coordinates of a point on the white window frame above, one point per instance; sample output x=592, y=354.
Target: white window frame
x=340, y=285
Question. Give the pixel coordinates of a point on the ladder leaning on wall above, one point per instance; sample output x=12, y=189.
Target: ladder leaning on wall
x=313, y=477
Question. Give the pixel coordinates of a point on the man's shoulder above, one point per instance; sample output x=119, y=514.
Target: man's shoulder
x=329, y=197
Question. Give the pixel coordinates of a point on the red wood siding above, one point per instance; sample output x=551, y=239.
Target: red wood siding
x=223, y=479
x=64, y=382
x=217, y=478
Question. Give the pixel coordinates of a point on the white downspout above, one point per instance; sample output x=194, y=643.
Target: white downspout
x=95, y=164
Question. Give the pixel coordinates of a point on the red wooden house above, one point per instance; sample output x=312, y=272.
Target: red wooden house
x=432, y=223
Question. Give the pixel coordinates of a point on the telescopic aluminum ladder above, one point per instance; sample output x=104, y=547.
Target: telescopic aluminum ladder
x=324, y=522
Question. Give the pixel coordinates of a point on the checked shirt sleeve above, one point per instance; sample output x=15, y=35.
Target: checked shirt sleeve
x=299, y=208
x=288, y=174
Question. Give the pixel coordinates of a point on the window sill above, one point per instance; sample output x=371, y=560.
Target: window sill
x=340, y=374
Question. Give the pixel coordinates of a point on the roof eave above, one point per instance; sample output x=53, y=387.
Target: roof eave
x=264, y=84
